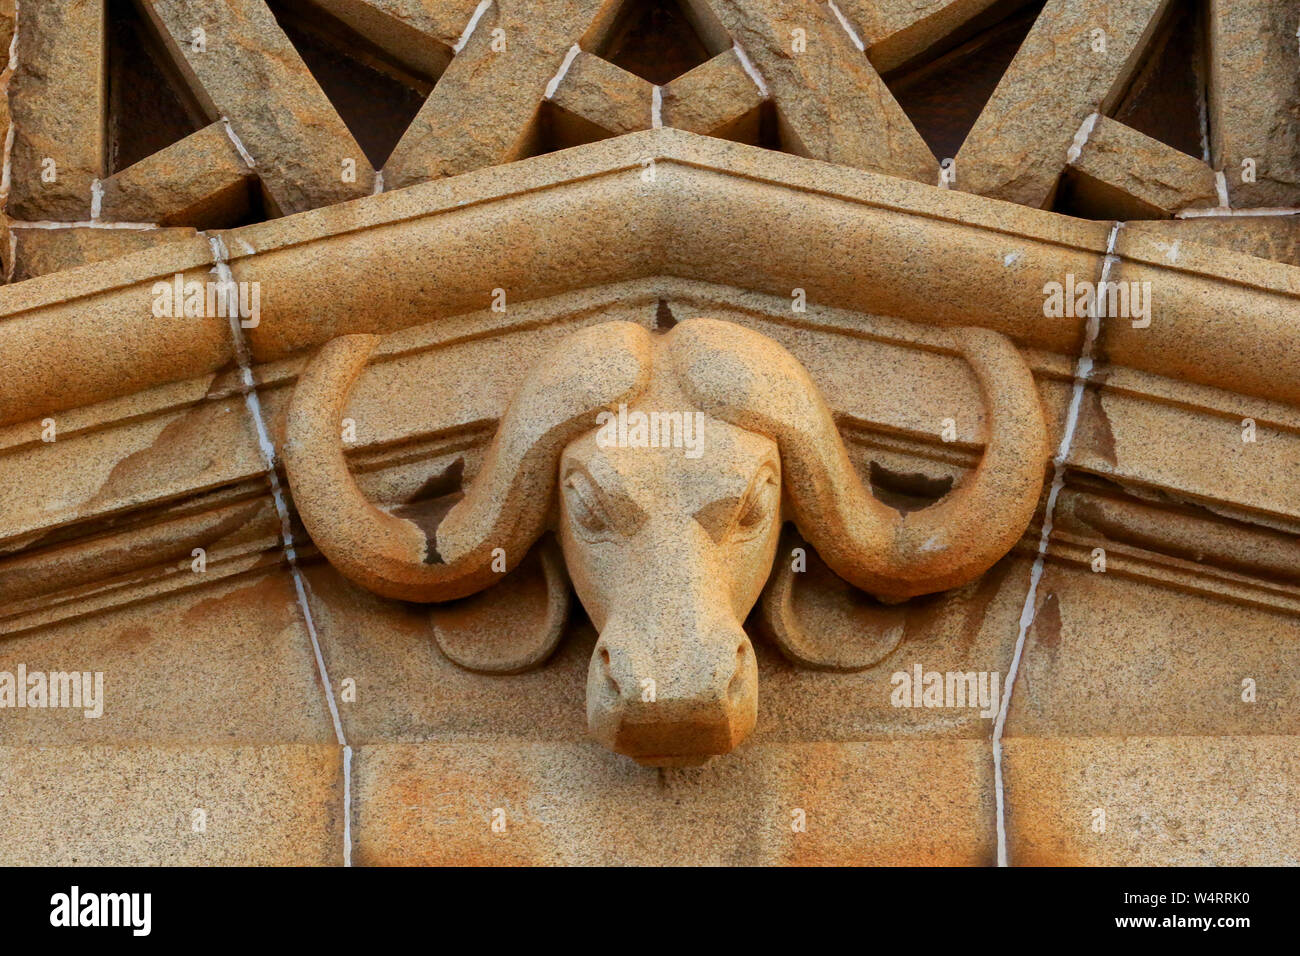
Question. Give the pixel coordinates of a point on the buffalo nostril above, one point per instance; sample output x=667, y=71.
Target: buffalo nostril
x=736, y=686
x=607, y=670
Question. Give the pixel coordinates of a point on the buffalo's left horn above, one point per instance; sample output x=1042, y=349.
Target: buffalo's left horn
x=509, y=502
x=751, y=381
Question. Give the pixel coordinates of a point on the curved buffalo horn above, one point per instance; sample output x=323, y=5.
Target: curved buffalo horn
x=747, y=379
x=507, y=505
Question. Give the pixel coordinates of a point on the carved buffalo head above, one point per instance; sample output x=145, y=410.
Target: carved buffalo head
x=668, y=547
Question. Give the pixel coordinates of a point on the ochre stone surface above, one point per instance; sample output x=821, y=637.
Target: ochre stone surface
x=1065, y=69
x=56, y=101
x=830, y=102
x=862, y=804
x=135, y=805
x=302, y=145
x=1154, y=179
x=915, y=472
x=1254, y=99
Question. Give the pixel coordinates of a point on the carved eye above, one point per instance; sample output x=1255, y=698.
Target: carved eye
x=583, y=503
x=759, y=501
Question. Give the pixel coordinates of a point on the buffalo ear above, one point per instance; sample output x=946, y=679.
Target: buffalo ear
x=820, y=620
x=515, y=624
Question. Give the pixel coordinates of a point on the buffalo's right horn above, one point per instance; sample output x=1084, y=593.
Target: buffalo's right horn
x=508, y=503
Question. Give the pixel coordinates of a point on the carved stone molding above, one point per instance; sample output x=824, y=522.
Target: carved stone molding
x=396, y=260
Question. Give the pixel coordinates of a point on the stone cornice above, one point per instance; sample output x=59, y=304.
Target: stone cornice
x=663, y=202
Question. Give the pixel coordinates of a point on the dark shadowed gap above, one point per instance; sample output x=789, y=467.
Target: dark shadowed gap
x=374, y=96
x=944, y=90
x=655, y=40
x=907, y=491
x=1166, y=98
x=149, y=106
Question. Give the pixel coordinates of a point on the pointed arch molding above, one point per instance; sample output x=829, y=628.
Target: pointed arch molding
x=658, y=203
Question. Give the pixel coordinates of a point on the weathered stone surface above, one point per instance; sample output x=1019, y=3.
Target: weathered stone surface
x=1168, y=801
x=146, y=534
x=717, y=98
x=1096, y=666
x=484, y=109
x=199, y=181
x=1126, y=435
x=37, y=252
x=603, y=95
x=1019, y=145
x=1269, y=237
x=454, y=243
x=929, y=802
x=56, y=100
x=831, y=103
x=404, y=28
x=407, y=691
x=1152, y=179
x=222, y=664
x=135, y=806
x=894, y=31
x=251, y=75
x=1213, y=282
x=111, y=326
x=1254, y=99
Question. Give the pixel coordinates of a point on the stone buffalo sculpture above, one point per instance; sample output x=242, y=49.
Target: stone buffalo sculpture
x=667, y=551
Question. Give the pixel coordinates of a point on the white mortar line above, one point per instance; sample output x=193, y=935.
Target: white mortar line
x=244, y=357
x=749, y=68
x=1082, y=372
x=80, y=224
x=943, y=182
x=657, y=108
x=6, y=176
x=244, y=154
x=1210, y=213
x=848, y=27
x=379, y=183
x=1081, y=137
x=1221, y=187
x=469, y=27
x=569, y=57
x=96, y=199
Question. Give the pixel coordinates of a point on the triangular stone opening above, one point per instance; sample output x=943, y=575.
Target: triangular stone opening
x=656, y=40
x=149, y=106
x=376, y=97
x=944, y=90
x=1166, y=99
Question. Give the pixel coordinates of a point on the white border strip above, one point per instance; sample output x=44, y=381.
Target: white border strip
x=1211, y=213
